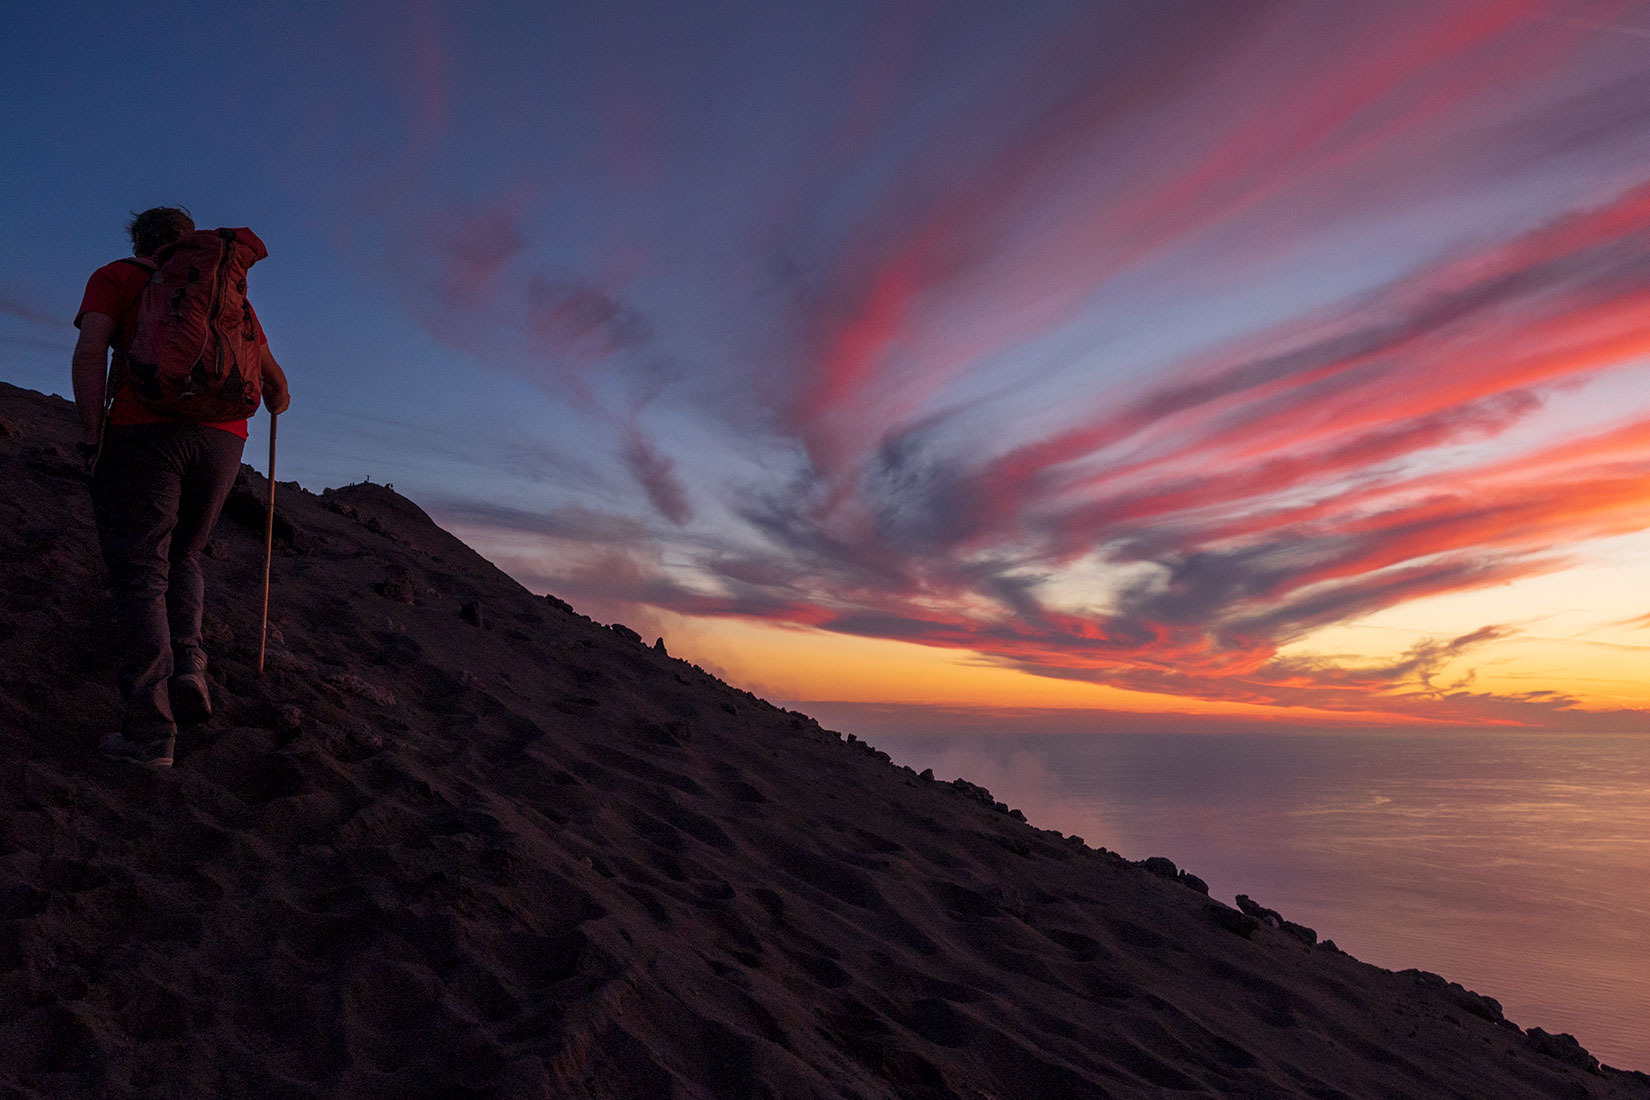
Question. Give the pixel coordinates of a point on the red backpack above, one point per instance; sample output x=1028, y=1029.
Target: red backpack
x=194, y=350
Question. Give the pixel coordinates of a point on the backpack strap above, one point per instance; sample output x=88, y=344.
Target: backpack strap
x=117, y=362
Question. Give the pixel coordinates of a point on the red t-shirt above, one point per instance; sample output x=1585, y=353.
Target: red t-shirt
x=113, y=290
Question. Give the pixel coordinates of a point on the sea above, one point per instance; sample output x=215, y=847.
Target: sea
x=1517, y=864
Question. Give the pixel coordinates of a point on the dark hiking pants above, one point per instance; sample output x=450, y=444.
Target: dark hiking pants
x=157, y=492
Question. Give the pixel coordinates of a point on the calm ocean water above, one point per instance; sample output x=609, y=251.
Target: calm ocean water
x=1516, y=864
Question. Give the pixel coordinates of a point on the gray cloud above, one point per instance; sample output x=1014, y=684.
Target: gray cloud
x=582, y=321
x=657, y=477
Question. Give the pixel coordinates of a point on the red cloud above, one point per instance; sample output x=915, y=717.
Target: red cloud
x=1325, y=468
x=1288, y=500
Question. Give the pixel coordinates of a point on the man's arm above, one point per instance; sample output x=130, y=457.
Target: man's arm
x=91, y=373
x=276, y=397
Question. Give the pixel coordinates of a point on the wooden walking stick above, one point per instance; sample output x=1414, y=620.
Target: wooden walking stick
x=269, y=543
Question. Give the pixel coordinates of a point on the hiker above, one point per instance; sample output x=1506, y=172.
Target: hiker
x=163, y=439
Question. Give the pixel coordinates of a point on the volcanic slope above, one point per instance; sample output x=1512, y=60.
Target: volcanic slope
x=461, y=841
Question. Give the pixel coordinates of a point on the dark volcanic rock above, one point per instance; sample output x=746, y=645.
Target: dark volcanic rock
x=1273, y=919
x=1161, y=867
x=1563, y=1047
x=248, y=507
x=399, y=585
x=1230, y=919
x=1485, y=1008
x=972, y=791
x=1191, y=881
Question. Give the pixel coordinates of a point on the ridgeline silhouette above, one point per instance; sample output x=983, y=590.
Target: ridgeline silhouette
x=461, y=841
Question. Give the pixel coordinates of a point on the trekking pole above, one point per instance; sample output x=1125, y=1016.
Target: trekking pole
x=269, y=544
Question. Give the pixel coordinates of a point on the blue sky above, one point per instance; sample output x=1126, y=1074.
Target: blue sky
x=1192, y=358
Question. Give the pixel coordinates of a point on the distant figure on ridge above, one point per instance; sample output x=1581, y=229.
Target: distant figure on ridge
x=164, y=426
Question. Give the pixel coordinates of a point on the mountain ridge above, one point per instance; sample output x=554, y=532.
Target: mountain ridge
x=461, y=841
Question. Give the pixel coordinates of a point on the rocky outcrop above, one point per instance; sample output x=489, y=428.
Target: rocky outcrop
x=1273, y=919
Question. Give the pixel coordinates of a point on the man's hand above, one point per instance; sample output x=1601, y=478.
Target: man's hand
x=276, y=396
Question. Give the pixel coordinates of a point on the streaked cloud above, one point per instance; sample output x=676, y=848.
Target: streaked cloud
x=1166, y=338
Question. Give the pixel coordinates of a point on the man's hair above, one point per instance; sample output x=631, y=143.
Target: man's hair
x=156, y=228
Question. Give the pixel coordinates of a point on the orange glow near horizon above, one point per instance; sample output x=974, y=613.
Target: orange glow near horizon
x=799, y=665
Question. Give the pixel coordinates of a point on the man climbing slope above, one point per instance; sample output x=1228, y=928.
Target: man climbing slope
x=164, y=427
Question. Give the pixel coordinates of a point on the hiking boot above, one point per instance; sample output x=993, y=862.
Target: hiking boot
x=191, y=701
x=152, y=753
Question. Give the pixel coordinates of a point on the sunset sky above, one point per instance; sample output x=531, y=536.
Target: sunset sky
x=1088, y=365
